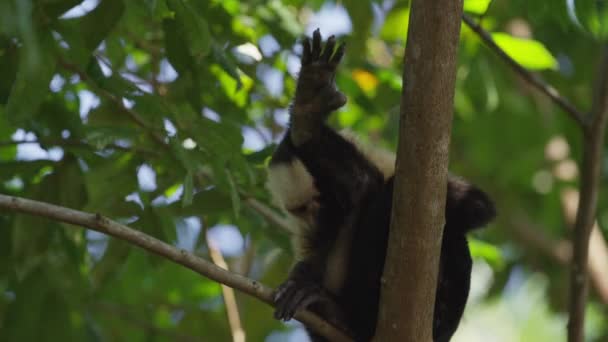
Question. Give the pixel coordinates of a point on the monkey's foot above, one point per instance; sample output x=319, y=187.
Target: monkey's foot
x=293, y=296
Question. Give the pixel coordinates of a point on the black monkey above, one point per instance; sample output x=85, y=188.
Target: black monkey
x=339, y=195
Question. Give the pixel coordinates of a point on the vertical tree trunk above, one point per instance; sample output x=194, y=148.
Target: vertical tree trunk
x=590, y=180
x=410, y=273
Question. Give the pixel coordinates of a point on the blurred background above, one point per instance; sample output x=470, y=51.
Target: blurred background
x=162, y=114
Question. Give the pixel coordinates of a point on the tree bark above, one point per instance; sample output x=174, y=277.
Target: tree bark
x=410, y=273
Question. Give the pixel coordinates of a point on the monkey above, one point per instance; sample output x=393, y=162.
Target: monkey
x=338, y=194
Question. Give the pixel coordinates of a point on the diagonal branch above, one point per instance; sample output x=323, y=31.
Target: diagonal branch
x=590, y=179
x=532, y=78
x=104, y=225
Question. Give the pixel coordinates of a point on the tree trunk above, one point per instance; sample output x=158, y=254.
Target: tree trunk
x=410, y=273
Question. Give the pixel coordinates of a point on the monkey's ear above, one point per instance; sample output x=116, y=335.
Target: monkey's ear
x=467, y=207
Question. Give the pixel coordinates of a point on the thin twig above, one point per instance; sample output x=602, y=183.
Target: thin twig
x=585, y=216
x=533, y=79
x=104, y=225
x=597, y=262
x=232, y=309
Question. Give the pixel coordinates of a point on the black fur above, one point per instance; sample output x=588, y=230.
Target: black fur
x=355, y=203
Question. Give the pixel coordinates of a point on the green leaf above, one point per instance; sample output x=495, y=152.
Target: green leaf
x=55, y=8
x=237, y=89
x=32, y=236
x=476, y=6
x=234, y=195
x=530, y=53
x=101, y=136
x=54, y=116
x=218, y=138
x=9, y=61
x=32, y=81
x=486, y=251
x=8, y=18
x=204, y=202
x=188, y=189
x=396, y=25
x=26, y=170
x=31, y=293
x=176, y=47
x=114, y=83
x=193, y=27
x=109, y=181
x=156, y=223
x=179, y=56
x=593, y=16
x=84, y=34
x=159, y=9
x=182, y=155
x=228, y=65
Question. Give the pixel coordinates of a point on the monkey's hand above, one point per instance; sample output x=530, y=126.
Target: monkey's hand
x=294, y=295
x=316, y=91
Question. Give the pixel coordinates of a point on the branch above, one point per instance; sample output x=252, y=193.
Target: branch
x=533, y=79
x=597, y=262
x=585, y=216
x=104, y=225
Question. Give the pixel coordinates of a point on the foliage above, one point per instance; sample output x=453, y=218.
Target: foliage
x=163, y=113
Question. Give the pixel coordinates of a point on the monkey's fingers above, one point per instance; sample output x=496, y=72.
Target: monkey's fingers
x=282, y=290
x=329, y=49
x=300, y=300
x=337, y=57
x=283, y=297
x=306, y=53
x=309, y=300
x=316, y=45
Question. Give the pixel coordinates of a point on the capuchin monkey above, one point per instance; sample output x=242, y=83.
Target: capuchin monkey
x=338, y=193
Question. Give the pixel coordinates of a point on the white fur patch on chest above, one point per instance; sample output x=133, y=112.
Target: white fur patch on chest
x=290, y=184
